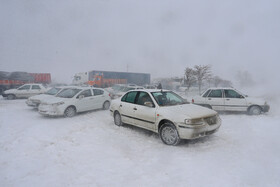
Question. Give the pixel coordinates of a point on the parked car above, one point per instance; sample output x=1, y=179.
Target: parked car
x=166, y=113
x=230, y=99
x=34, y=101
x=72, y=100
x=24, y=91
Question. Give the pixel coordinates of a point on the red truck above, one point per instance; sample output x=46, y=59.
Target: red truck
x=9, y=80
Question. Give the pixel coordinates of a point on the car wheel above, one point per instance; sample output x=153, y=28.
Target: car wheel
x=255, y=110
x=118, y=119
x=70, y=111
x=106, y=105
x=11, y=96
x=169, y=134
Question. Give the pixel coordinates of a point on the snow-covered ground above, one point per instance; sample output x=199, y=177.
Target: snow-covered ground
x=89, y=150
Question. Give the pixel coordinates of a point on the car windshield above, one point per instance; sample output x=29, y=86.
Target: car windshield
x=53, y=91
x=68, y=93
x=167, y=98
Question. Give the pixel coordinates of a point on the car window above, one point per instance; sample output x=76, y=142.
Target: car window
x=97, y=92
x=129, y=97
x=216, y=93
x=25, y=87
x=143, y=97
x=206, y=93
x=85, y=93
x=232, y=94
x=68, y=93
x=168, y=98
x=36, y=87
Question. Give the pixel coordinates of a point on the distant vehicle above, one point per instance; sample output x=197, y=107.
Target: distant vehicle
x=125, y=89
x=34, y=101
x=230, y=99
x=9, y=80
x=70, y=101
x=150, y=86
x=166, y=113
x=24, y=91
x=109, y=78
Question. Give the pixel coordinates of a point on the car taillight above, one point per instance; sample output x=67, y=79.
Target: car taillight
x=192, y=100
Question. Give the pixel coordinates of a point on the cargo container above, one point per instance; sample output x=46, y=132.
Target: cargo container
x=9, y=80
x=109, y=78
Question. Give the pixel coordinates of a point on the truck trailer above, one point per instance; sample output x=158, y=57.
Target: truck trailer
x=9, y=80
x=108, y=78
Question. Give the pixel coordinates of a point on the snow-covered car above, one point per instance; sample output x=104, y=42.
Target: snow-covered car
x=35, y=100
x=166, y=113
x=24, y=91
x=230, y=99
x=70, y=101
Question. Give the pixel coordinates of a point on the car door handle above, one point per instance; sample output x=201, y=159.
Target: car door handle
x=134, y=108
x=227, y=99
x=120, y=105
x=209, y=98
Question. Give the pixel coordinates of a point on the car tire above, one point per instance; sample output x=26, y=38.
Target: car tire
x=11, y=97
x=255, y=110
x=169, y=134
x=70, y=112
x=118, y=119
x=106, y=105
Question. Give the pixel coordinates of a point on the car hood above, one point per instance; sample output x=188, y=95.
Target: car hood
x=53, y=100
x=40, y=97
x=186, y=111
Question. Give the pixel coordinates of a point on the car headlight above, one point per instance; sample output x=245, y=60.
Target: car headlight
x=194, y=121
x=57, y=104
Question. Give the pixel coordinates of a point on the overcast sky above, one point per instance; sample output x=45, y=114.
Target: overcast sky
x=161, y=37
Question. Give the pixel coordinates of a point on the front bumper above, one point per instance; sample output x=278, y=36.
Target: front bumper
x=32, y=103
x=198, y=131
x=49, y=110
x=4, y=95
x=265, y=108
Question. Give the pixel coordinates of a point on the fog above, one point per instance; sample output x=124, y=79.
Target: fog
x=161, y=37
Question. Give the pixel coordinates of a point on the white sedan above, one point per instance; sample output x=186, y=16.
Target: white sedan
x=166, y=113
x=24, y=91
x=70, y=101
x=230, y=99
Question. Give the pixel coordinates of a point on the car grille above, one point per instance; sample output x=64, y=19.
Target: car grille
x=211, y=120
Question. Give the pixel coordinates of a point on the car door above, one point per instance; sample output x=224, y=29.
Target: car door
x=98, y=97
x=23, y=91
x=127, y=107
x=234, y=101
x=35, y=90
x=215, y=99
x=84, y=101
x=145, y=116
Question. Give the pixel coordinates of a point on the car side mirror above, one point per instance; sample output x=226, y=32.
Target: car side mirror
x=149, y=104
x=242, y=97
x=81, y=96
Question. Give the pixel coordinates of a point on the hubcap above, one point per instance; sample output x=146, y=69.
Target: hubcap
x=106, y=105
x=118, y=119
x=169, y=135
x=256, y=111
x=70, y=112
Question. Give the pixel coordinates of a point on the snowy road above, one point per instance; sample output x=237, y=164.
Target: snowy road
x=89, y=150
